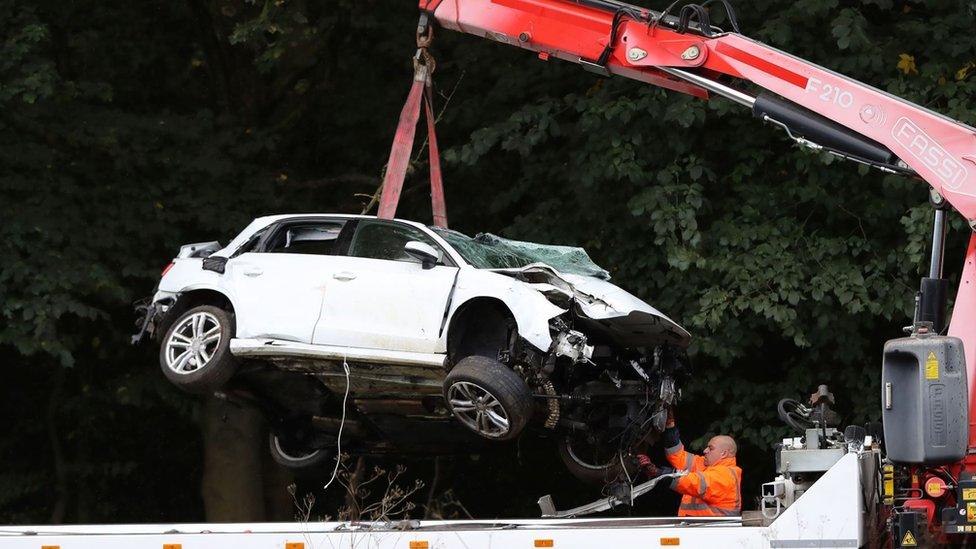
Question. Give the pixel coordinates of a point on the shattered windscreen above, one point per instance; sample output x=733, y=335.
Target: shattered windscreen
x=488, y=251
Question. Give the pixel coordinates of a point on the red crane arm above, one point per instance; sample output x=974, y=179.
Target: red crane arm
x=821, y=107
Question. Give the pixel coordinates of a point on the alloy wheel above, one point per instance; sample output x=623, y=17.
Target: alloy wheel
x=478, y=409
x=193, y=343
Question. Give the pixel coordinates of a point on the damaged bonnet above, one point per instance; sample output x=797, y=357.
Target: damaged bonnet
x=604, y=308
x=569, y=279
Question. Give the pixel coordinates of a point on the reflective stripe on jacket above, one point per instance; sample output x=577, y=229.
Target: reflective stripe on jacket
x=706, y=491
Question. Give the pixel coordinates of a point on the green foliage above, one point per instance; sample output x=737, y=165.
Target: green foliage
x=117, y=145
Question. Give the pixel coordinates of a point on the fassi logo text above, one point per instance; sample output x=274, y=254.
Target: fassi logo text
x=929, y=152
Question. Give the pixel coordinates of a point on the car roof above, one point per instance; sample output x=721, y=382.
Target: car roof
x=266, y=220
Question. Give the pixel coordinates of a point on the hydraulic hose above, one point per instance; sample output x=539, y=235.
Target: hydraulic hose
x=792, y=413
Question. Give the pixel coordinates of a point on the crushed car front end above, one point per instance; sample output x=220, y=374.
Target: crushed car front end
x=610, y=374
x=609, y=367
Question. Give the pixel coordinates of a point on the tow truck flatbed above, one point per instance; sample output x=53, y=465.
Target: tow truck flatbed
x=830, y=514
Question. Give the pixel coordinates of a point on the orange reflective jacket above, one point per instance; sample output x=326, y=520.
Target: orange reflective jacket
x=706, y=491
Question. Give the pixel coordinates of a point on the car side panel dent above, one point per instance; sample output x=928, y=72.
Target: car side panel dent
x=532, y=311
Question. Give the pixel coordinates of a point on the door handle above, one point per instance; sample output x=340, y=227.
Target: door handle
x=344, y=275
x=253, y=271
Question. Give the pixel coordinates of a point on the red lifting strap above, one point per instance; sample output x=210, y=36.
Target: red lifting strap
x=396, y=168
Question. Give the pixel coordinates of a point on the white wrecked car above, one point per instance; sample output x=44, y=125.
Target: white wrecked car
x=434, y=327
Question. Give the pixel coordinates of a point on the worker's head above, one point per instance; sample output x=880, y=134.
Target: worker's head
x=719, y=447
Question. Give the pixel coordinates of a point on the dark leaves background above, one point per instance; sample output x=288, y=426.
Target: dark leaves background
x=129, y=128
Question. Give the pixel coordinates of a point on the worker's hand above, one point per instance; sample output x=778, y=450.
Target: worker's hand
x=647, y=466
x=670, y=422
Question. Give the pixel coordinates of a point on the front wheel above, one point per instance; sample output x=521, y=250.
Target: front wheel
x=601, y=451
x=488, y=398
x=195, y=353
x=592, y=460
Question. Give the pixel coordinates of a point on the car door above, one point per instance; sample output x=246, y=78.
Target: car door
x=278, y=286
x=382, y=297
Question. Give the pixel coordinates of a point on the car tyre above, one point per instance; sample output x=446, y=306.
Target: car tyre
x=488, y=398
x=195, y=352
x=297, y=459
x=591, y=471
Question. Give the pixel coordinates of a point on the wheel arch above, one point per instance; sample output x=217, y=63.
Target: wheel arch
x=480, y=326
x=188, y=299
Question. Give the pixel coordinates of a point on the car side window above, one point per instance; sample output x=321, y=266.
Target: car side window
x=385, y=240
x=313, y=238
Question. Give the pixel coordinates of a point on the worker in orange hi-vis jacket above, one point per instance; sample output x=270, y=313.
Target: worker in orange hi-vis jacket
x=712, y=484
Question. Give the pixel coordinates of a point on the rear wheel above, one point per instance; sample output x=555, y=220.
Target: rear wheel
x=488, y=398
x=195, y=353
x=296, y=456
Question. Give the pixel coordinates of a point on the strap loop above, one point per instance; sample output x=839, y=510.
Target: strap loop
x=420, y=97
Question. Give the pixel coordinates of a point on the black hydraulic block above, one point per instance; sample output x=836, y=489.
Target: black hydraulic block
x=932, y=302
x=814, y=127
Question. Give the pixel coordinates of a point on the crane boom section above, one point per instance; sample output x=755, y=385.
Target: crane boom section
x=615, y=38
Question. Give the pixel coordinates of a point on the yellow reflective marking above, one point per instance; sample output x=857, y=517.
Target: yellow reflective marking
x=932, y=367
x=968, y=493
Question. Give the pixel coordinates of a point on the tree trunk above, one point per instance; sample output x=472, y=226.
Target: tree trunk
x=234, y=441
x=60, y=507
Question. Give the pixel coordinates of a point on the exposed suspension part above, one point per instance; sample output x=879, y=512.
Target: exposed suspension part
x=552, y=402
